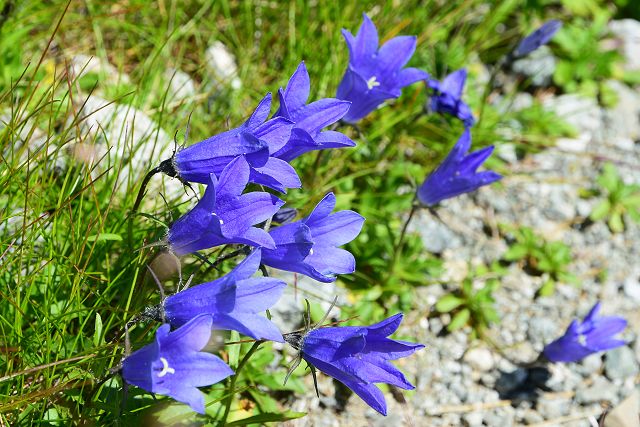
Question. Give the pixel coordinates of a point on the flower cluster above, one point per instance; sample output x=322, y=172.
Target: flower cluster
x=259, y=152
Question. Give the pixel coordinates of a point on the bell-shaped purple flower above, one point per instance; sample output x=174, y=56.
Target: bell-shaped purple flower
x=224, y=215
x=309, y=119
x=595, y=333
x=539, y=37
x=256, y=139
x=375, y=75
x=173, y=364
x=457, y=174
x=310, y=246
x=447, y=97
x=233, y=301
x=359, y=357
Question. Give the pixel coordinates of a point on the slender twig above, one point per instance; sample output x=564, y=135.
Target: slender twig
x=233, y=379
x=403, y=232
x=139, y=198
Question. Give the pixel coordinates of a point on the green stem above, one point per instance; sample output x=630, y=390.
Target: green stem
x=489, y=87
x=398, y=245
x=233, y=379
x=136, y=205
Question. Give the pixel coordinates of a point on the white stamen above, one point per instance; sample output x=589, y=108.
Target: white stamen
x=221, y=221
x=582, y=339
x=165, y=368
x=310, y=251
x=372, y=82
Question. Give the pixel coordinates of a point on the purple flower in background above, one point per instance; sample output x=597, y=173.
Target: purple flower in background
x=224, y=215
x=359, y=357
x=310, y=246
x=309, y=119
x=457, y=174
x=447, y=97
x=255, y=139
x=173, y=364
x=595, y=333
x=539, y=37
x=375, y=75
x=233, y=301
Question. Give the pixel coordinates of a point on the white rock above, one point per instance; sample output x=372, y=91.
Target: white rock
x=181, y=84
x=582, y=113
x=627, y=31
x=82, y=65
x=479, y=358
x=112, y=132
x=222, y=65
x=622, y=121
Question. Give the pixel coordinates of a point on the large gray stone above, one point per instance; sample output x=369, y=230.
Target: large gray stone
x=601, y=390
x=627, y=31
x=620, y=363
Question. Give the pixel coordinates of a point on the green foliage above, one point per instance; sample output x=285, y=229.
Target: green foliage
x=584, y=64
x=472, y=305
x=540, y=256
x=620, y=200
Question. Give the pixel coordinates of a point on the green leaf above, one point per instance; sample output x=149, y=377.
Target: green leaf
x=547, y=289
x=448, y=302
x=97, y=332
x=615, y=222
x=609, y=178
x=104, y=237
x=515, y=253
x=459, y=320
x=601, y=210
x=267, y=417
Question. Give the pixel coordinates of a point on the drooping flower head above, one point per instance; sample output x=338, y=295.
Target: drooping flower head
x=375, y=75
x=359, y=357
x=539, y=37
x=595, y=333
x=447, y=97
x=225, y=215
x=255, y=139
x=309, y=119
x=174, y=366
x=457, y=174
x=233, y=301
x=310, y=246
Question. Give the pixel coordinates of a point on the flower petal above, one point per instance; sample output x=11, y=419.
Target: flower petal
x=297, y=91
x=322, y=209
x=260, y=114
x=276, y=174
x=337, y=229
x=395, y=53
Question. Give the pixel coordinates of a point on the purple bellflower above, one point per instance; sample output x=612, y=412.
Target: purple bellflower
x=255, y=139
x=447, y=97
x=173, y=364
x=233, y=301
x=375, y=75
x=457, y=174
x=539, y=37
x=595, y=333
x=310, y=246
x=309, y=119
x=358, y=357
x=224, y=215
